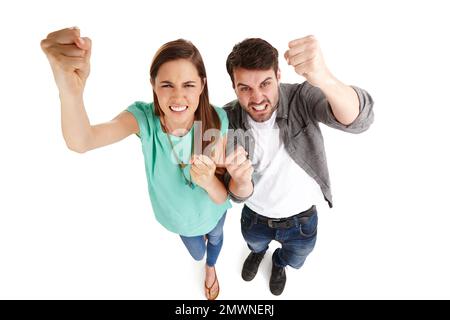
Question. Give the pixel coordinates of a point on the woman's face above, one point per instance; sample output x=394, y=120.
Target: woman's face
x=178, y=87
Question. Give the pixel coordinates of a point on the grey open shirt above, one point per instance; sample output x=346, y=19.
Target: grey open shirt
x=301, y=107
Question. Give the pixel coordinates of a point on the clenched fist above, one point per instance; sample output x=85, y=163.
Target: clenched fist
x=202, y=170
x=239, y=167
x=306, y=57
x=69, y=56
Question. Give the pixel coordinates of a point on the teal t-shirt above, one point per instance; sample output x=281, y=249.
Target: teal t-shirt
x=178, y=207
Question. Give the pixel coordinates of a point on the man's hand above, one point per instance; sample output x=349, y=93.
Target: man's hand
x=202, y=171
x=305, y=56
x=238, y=166
x=69, y=56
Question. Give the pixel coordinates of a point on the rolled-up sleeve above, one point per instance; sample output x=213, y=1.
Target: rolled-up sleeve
x=320, y=110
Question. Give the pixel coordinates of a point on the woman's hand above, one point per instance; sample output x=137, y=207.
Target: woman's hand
x=202, y=171
x=69, y=57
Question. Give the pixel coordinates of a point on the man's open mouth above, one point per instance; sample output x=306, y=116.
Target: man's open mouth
x=260, y=107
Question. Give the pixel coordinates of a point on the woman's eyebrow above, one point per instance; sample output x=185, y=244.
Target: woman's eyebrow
x=187, y=82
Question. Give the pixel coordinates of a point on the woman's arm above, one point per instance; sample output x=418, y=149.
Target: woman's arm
x=216, y=191
x=202, y=172
x=69, y=57
x=81, y=137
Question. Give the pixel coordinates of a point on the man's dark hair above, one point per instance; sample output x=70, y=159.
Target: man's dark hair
x=252, y=54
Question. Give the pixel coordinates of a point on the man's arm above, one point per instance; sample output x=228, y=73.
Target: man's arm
x=345, y=102
x=238, y=177
x=237, y=193
x=239, y=181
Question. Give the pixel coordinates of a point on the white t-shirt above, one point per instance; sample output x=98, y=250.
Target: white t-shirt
x=282, y=187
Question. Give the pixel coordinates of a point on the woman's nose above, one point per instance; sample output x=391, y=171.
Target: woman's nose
x=178, y=94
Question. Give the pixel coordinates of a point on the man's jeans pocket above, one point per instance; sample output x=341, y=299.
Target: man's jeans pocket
x=246, y=221
x=308, y=226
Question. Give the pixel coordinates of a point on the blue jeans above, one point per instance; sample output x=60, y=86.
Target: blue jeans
x=297, y=241
x=197, y=246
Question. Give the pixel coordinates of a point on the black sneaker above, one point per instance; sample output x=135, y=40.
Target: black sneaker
x=277, y=280
x=251, y=265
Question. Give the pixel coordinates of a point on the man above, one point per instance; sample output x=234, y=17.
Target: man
x=278, y=126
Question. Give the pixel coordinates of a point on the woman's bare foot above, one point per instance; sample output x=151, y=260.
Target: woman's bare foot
x=211, y=283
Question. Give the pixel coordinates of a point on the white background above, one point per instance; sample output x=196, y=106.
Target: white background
x=81, y=226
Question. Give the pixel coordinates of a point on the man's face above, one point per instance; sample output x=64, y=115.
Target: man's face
x=257, y=91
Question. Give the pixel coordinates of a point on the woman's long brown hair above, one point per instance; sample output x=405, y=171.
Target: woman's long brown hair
x=183, y=49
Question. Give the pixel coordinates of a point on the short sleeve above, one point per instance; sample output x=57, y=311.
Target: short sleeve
x=140, y=111
x=223, y=120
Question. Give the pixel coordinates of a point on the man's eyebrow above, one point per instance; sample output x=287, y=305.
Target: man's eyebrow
x=268, y=78
x=246, y=85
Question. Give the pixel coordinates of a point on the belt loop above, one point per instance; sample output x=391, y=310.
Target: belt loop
x=254, y=218
x=297, y=222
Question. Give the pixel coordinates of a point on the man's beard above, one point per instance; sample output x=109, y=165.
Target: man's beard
x=267, y=114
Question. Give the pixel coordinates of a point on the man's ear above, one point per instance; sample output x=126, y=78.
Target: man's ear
x=278, y=74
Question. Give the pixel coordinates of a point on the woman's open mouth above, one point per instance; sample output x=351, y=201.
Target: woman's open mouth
x=175, y=108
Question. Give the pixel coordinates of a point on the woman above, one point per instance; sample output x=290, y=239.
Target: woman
x=187, y=194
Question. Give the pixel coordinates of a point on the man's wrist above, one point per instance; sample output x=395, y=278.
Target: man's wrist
x=328, y=82
x=241, y=188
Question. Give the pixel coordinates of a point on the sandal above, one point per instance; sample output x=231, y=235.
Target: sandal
x=208, y=289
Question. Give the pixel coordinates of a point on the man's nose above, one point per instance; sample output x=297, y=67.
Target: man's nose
x=257, y=96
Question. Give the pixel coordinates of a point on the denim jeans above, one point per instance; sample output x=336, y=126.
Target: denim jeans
x=197, y=246
x=297, y=242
